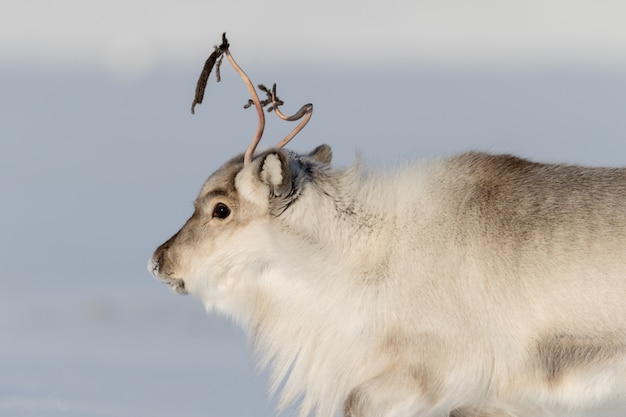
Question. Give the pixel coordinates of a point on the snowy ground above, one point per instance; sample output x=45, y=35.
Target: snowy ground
x=80, y=352
x=96, y=173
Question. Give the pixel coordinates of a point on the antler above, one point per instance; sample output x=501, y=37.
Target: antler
x=305, y=111
x=257, y=104
x=216, y=57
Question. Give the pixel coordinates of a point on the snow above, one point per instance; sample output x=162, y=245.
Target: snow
x=95, y=173
x=143, y=351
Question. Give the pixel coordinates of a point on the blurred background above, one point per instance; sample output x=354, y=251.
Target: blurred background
x=101, y=159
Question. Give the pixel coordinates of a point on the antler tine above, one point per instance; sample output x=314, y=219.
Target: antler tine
x=305, y=111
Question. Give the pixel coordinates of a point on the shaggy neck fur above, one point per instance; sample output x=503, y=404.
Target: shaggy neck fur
x=312, y=324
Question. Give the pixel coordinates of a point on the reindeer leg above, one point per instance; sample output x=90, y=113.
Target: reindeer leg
x=393, y=394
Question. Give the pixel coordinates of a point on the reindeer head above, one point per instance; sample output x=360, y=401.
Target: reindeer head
x=223, y=245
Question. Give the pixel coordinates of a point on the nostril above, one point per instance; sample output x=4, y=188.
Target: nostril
x=158, y=263
x=154, y=266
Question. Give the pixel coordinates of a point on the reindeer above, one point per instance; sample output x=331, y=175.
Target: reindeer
x=476, y=285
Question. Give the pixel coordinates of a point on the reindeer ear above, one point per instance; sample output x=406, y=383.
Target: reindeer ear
x=322, y=154
x=276, y=173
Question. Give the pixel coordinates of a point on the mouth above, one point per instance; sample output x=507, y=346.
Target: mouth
x=176, y=284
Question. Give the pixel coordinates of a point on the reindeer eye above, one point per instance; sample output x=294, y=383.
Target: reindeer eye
x=221, y=211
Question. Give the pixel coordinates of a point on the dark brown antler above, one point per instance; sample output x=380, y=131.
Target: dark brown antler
x=215, y=58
